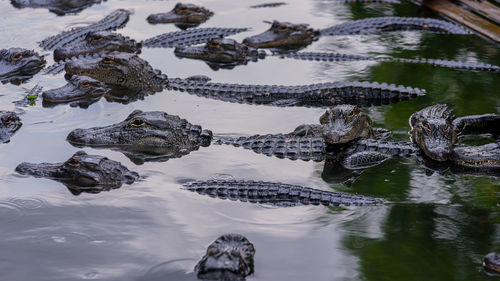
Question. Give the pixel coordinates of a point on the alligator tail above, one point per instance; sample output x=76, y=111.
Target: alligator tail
x=280, y=145
x=189, y=37
x=278, y=194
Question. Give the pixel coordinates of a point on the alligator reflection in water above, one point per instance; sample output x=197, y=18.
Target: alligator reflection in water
x=146, y=136
x=183, y=15
x=18, y=65
x=59, y=7
x=83, y=173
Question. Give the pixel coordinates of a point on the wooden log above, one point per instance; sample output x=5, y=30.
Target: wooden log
x=484, y=8
x=464, y=17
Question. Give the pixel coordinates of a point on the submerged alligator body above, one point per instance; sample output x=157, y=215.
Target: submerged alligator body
x=435, y=130
x=183, y=15
x=18, y=65
x=114, y=20
x=286, y=35
x=82, y=173
x=229, y=257
x=277, y=194
x=58, y=7
x=145, y=136
x=9, y=124
x=312, y=95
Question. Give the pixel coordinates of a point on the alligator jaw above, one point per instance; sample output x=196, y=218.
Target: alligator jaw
x=484, y=156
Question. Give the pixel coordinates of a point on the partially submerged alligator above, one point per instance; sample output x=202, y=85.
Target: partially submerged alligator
x=146, y=136
x=183, y=15
x=229, y=257
x=9, y=124
x=277, y=194
x=83, y=173
x=58, y=7
x=18, y=65
x=286, y=35
x=435, y=129
x=491, y=263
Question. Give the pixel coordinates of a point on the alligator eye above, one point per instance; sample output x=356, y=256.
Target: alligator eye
x=213, y=44
x=120, y=80
x=427, y=127
x=16, y=56
x=96, y=38
x=7, y=121
x=74, y=161
x=85, y=84
x=107, y=60
x=352, y=114
x=212, y=252
x=137, y=122
x=282, y=28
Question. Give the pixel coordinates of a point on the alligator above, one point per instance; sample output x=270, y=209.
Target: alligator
x=312, y=95
x=229, y=257
x=183, y=15
x=491, y=263
x=83, y=173
x=227, y=53
x=220, y=53
x=145, y=136
x=114, y=20
x=435, y=130
x=58, y=7
x=9, y=124
x=286, y=35
x=277, y=194
x=120, y=69
x=82, y=91
x=99, y=42
x=18, y=65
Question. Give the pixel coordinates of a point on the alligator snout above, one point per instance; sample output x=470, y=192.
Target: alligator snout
x=78, y=136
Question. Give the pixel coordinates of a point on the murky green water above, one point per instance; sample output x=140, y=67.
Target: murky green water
x=438, y=226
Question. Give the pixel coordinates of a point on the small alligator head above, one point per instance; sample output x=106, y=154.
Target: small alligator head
x=9, y=124
x=120, y=69
x=185, y=15
x=432, y=130
x=82, y=173
x=283, y=35
x=230, y=257
x=152, y=133
x=60, y=8
x=477, y=157
x=102, y=42
x=18, y=65
x=491, y=263
x=220, y=50
x=78, y=88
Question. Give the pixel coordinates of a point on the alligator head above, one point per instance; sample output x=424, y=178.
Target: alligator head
x=491, y=263
x=478, y=157
x=219, y=50
x=102, y=42
x=283, y=35
x=230, y=257
x=432, y=130
x=9, y=124
x=185, y=15
x=18, y=65
x=151, y=133
x=59, y=7
x=340, y=124
x=78, y=88
x=82, y=173
x=120, y=69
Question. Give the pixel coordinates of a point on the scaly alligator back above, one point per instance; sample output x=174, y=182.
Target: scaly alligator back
x=312, y=95
x=189, y=37
x=115, y=20
x=279, y=194
x=389, y=24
